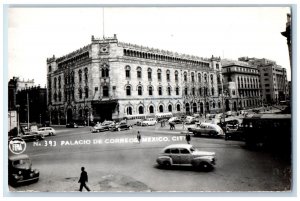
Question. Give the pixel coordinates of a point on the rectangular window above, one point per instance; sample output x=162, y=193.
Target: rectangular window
x=149, y=75
x=127, y=73
x=168, y=77
x=159, y=76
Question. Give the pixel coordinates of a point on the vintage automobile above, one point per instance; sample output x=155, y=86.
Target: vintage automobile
x=47, y=131
x=186, y=155
x=100, y=127
x=32, y=136
x=149, y=122
x=121, y=126
x=206, y=129
x=175, y=120
x=20, y=170
x=71, y=125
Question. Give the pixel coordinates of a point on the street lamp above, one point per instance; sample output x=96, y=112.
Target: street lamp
x=18, y=126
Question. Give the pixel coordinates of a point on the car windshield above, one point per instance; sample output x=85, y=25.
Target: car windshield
x=22, y=164
x=192, y=149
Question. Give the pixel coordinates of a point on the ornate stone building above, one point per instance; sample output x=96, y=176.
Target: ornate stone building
x=241, y=85
x=108, y=79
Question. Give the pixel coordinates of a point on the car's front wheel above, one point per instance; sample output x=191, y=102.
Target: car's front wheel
x=166, y=164
x=205, y=166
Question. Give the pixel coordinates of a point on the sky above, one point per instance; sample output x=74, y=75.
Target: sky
x=35, y=34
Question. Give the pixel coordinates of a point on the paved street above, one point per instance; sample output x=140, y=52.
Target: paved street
x=115, y=161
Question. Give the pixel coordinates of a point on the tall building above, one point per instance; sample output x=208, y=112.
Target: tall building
x=241, y=85
x=36, y=98
x=273, y=79
x=108, y=79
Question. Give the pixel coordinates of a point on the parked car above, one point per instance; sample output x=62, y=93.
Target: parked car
x=190, y=120
x=149, y=122
x=100, y=127
x=47, y=131
x=72, y=125
x=186, y=154
x=32, y=136
x=121, y=126
x=206, y=129
x=20, y=170
x=175, y=120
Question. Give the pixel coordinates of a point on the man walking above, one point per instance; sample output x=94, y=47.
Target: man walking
x=188, y=138
x=83, y=179
x=138, y=136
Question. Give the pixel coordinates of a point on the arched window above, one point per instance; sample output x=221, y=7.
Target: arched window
x=80, y=75
x=193, y=91
x=194, y=107
x=200, y=91
x=149, y=74
x=140, y=90
x=105, y=91
x=72, y=77
x=150, y=90
x=127, y=71
x=186, y=91
x=139, y=72
x=212, y=79
x=160, y=91
x=168, y=75
x=217, y=66
x=193, y=77
x=178, y=108
x=55, y=83
x=169, y=91
x=141, y=110
x=80, y=93
x=86, y=92
x=59, y=96
x=176, y=75
x=170, y=108
x=159, y=75
x=161, y=108
x=129, y=111
x=212, y=91
x=59, y=82
x=185, y=76
x=151, y=109
x=199, y=77
x=128, y=91
x=214, y=105
x=219, y=79
x=86, y=74
x=205, y=78
x=177, y=91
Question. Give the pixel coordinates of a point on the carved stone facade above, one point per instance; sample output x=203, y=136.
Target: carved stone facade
x=108, y=79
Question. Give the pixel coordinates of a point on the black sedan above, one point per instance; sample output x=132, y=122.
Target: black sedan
x=121, y=126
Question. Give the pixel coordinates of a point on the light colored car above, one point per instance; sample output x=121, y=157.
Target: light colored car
x=149, y=122
x=187, y=155
x=46, y=131
x=207, y=129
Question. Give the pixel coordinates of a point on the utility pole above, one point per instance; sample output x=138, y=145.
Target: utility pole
x=27, y=111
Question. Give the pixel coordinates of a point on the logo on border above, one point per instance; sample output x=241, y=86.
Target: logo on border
x=17, y=145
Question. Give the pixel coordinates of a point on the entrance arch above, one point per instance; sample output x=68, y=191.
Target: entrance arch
x=69, y=115
x=227, y=105
x=187, y=108
x=194, y=107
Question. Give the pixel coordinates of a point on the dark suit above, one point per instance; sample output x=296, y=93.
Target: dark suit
x=82, y=180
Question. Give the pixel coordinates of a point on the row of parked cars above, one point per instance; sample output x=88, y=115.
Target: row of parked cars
x=111, y=125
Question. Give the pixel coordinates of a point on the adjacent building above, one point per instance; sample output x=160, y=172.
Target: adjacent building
x=241, y=85
x=108, y=79
x=33, y=104
x=273, y=79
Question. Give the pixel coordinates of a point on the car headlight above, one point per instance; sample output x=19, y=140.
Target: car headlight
x=16, y=177
x=31, y=174
x=20, y=172
x=36, y=172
